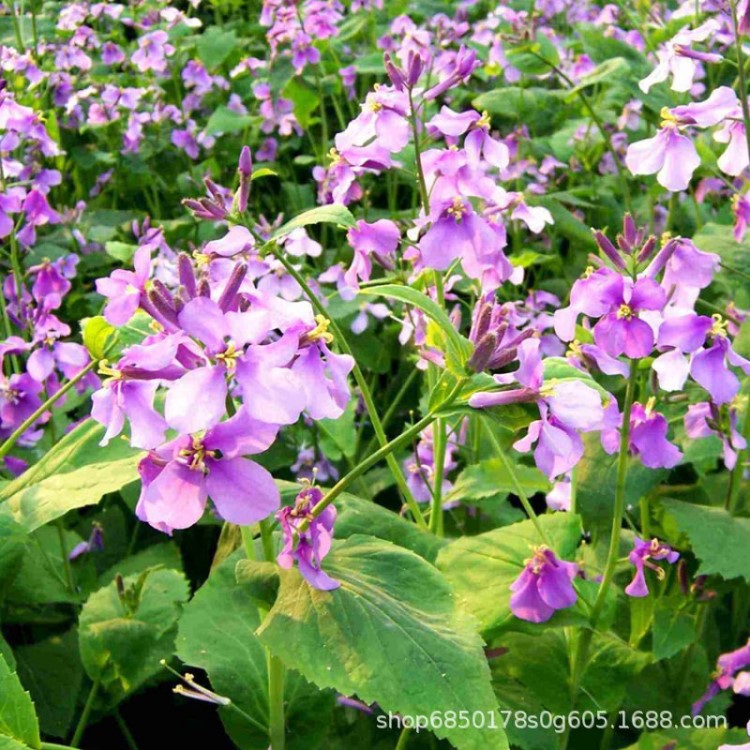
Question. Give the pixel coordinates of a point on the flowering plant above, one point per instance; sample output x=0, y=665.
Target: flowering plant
x=387, y=369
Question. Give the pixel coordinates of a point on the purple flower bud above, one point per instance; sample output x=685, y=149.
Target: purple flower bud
x=629, y=230
x=187, y=275
x=394, y=73
x=483, y=353
x=228, y=299
x=415, y=66
x=658, y=263
x=609, y=249
x=245, y=164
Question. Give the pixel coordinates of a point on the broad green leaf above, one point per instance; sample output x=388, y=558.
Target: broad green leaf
x=391, y=635
x=51, y=671
x=332, y=214
x=490, y=478
x=8, y=743
x=541, y=109
x=215, y=45
x=536, y=57
x=458, y=347
x=226, y=121
x=567, y=223
x=12, y=545
x=719, y=239
x=357, y=516
x=165, y=555
x=304, y=98
x=217, y=634
x=75, y=473
x=339, y=436
x=122, y=647
x=720, y=541
x=674, y=627
x=481, y=568
x=17, y=716
x=98, y=336
x=540, y=663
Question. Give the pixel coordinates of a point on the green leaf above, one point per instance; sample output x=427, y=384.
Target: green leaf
x=122, y=251
x=123, y=648
x=534, y=58
x=719, y=239
x=17, y=717
x=490, y=478
x=540, y=664
x=304, y=98
x=674, y=627
x=720, y=541
x=331, y=214
x=390, y=634
x=610, y=71
x=339, y=435
x=481, y=568
x=541, y=109
x=226, y=121
x=458, y=348
x=75, y=473
x=52, y=672
x=12, y=545
x=98, y=336
x=215, y=45
x=217, y=634
x=357, y=516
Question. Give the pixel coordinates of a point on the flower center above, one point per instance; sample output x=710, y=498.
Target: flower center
x=320, y=332
x=228, y=357
x=195, y=456
x=110, y=372
x=539, y=559
x=457, y=209
x=574, y=349
x=667, y=118
x=719, y=326
x=625, y=312
x=484, y=121
x=335, y=157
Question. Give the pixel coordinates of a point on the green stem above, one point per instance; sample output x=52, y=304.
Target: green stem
x=403, y=439
x=84, y=720
x=579, y=656
x=436, y=510
x=248, y=542
x=377, y=425
x=423, y=194
x=269, y=549
x=517, y=488
x=125, y=731
x=276, y=702
x=403, y=739
x=13, y=439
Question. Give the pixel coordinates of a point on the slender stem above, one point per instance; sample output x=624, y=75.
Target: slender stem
x=248, y=543
x=377, y=425
x=736, y=476
x=439, y=445
x=403, y=739
x=741, y=72
x=269, y=550
x=403, y=439
x=580, y=652
x=126, y=733
x=423, y=194
x=13, y=439
x=85, y=715
x=517, y=488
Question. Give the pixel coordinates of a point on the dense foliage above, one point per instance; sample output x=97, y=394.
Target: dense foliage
x=375, y=374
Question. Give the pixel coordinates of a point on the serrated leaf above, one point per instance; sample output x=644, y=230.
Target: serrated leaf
x=52, y=672
x=123, y=649
x=17, y=716
x=390, y=634
x=720, y=541
x=481, y=568
x=75, y=473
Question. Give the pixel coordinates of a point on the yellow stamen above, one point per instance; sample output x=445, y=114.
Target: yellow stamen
x=719, y=326
x=626, y=312
x=111, y=373
x=321, y=330
x=484, y=121
x=457, y=209
x=667, y=118
x=229, y=356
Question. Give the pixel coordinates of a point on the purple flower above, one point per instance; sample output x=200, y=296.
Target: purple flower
x=179, y=476
x=308, y=547
x=379, y=239
x=641, y=556
x=544, y=586
x=727, y=667
x=648, y=435
x=95, y=543
x=124, y=289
